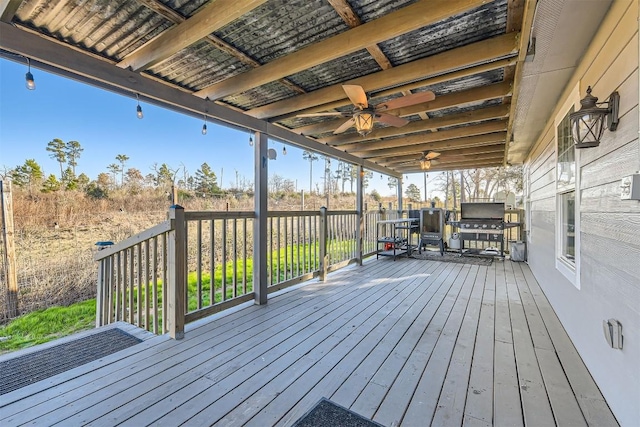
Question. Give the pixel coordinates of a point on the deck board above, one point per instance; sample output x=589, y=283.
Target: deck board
x=405, y=342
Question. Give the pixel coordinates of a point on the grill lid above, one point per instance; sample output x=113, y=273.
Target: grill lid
x=485, y=211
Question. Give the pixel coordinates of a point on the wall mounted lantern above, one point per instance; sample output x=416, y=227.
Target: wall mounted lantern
x=588, y=123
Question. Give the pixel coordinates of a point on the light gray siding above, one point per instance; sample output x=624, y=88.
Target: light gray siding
x=609, y=265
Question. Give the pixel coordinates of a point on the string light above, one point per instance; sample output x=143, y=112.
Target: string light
x=250, y=140
x=284, y=150
x=139, y=108
x=204, y=126
x=30, y=82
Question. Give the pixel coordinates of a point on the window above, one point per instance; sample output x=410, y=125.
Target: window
x=566, y=182
x=567, y=244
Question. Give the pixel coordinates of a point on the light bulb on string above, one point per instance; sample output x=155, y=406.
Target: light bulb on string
x=204, y=125
x=284, y=150
x=250, y=140
x=139, y=108
x=29, y=81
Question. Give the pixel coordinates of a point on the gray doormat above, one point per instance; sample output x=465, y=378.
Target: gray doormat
x=328, y=413
x=452, y=257
x=39, y=365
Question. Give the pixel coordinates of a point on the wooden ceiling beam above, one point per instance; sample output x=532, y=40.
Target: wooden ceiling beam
x=349, y=16
x=455, y=99
x=436, y=65
x=463, y=155
x=8, y=9
x=168, y=13
x=381, y=156
x=407, y=19
x=473, y=116
x=452, y=166
x=525, y=16
x=211, y=17
x=374, y=147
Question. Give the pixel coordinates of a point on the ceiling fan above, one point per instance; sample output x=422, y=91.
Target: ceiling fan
x=427, y=157
x=425, y=160
x=365, y=115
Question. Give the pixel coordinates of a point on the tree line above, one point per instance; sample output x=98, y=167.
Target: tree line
x=31, y=176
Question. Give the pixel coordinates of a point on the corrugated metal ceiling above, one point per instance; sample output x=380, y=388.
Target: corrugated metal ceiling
x=277, y=29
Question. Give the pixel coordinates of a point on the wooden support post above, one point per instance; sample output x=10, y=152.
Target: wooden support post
x=260, y=274
x=324, y=256
x=400, y=198
x=9, y=249
x=176, y=266
x=360, y=214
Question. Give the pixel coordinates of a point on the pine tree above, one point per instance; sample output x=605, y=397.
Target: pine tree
x=57, y=148
x=206, y=180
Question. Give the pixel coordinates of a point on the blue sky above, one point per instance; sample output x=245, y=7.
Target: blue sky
x=106, y=125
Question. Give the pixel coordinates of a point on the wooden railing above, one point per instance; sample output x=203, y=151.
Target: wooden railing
x=199, y=263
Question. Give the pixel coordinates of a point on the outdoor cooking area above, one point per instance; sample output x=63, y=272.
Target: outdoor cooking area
x=477, y=229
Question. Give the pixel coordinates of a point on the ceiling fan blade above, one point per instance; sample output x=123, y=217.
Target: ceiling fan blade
x=391, y=119
x=333, y=113
x=357, y=95
x=343, y=127
x=431, y=155
x=405, y=101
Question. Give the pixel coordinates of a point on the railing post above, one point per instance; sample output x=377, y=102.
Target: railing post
x=260, y=224
x=324, y=257
x=360, y=214
x=176, y=265
x=103, y=289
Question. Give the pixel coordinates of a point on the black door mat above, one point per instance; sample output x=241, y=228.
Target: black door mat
x=328, y=413
x=452, y=257
x=39, y=365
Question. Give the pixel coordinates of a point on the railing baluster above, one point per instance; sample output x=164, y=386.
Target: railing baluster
x=212, y=267
x=165, y=275
x=271, y=250
x=235, y=257
x=199, y=262
x=286, y=255
x=305, y=246
x=224, y=259
x=298, y=246
x=154, y=278
x=244, y=256
x=138, y=256
x=117, y=272
x=130, y=317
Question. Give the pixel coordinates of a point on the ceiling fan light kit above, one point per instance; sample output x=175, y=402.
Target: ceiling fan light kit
x=364, y=121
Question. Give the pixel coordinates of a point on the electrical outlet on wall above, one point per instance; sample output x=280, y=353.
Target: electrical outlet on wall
x=613, y=333
x=630, y=187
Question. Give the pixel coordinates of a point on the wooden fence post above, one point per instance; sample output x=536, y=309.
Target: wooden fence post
x=9, y=250
x=324, y=257
x=176, y=265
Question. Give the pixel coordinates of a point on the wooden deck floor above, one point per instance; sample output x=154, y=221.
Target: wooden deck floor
x=405, y=342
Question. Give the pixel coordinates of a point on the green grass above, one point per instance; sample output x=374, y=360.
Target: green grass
x=45, y=325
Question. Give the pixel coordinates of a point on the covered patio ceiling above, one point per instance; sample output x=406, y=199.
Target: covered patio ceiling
x=259, y=64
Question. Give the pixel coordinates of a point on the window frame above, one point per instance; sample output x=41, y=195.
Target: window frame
x=567, y=267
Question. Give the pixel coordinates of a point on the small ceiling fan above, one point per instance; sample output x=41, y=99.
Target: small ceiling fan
x=425, y=160
x=365, y=115
x=427, y=157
